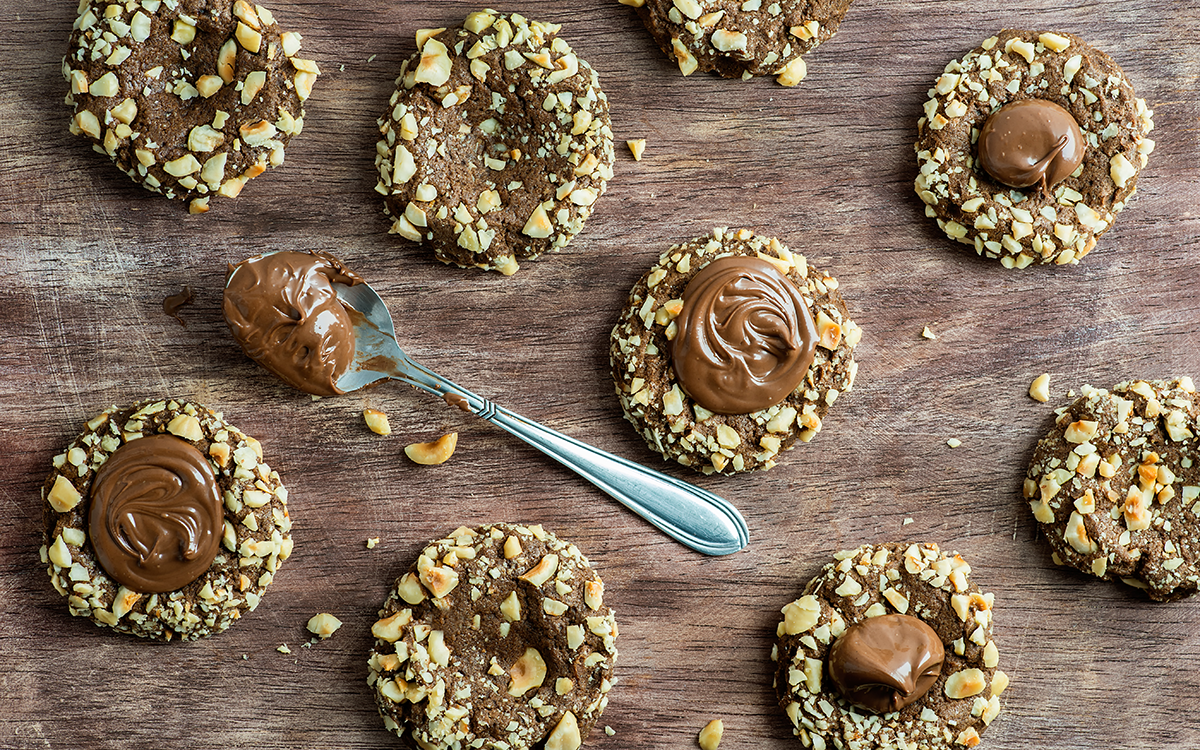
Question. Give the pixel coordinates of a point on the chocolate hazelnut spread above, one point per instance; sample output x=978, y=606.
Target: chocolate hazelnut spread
x=745, y=336
x=156, y=517
x=283, y=310
x=885, y=663
x=172, y=304
x=1031, y=142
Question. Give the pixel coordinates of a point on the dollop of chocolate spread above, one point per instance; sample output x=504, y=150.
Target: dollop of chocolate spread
x=155, y=518
x=745, y=336
x=172, y=304
x=885, y=663
x=283, y=310
x=1031, y=142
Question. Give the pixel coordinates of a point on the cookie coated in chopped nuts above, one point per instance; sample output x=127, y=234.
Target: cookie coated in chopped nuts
x=497, y=638
x=670, y=420
x=918, y=580
x=255, y=535
x=1026, y=227
x=190, y=98
x=1115, y=486
x=496, y=143
x=741, y=38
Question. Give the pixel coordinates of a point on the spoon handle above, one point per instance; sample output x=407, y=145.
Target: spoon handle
x=695, y=517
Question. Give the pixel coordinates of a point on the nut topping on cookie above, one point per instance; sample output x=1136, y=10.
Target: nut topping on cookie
x=885, y=663
x=1031, y=142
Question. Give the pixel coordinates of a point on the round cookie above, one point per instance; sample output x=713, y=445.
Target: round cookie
x=1022, y=227
x=189, y=98
x=1115, y=486
x=671, y=420
x=917, y=580
x=88, y=519
x=496, y=142
x=741, y=39
x=496, y=638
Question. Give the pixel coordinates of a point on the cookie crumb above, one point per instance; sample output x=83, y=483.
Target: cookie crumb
x=1039, y=389
x=377, y=421
x=636, y=147
x=710, y=735
x=907, y=521
x=283, y=649
x=324, y=625
x=926, y=333
x=953, y=442
x=434, y=453
x=609, y=731
x=372, y=542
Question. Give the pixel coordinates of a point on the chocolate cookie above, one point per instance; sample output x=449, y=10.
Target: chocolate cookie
x=723, y=369
x=162, y=520
x=496, y=143
x=1030, y=145
x=890, y=647
x=190, y=98
x=741, y=39
x=496, y=638
x=1116, y=486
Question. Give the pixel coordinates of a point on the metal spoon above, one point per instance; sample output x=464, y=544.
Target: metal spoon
x=695, y=517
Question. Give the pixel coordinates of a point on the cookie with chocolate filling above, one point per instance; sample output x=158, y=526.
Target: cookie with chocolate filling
x=496, y=143
x=1115, y=486
x=497, y=638
x=163, y=521
x=730, y=349
x=741, y=39
x=1029, y=147
x=889, y=647
x=191, y=98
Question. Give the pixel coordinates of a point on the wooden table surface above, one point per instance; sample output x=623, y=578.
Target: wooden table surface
x=86, y=259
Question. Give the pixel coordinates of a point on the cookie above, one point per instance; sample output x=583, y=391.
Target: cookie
x=163, y=521
x=883, y=614
x=1044, y=215
x=741, y=39
x=762, y=395
x=496, y=143
x=190, y=98
x=1115, y=486
x=496, y=638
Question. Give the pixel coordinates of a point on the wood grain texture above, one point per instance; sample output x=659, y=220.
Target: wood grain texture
x=86, y=258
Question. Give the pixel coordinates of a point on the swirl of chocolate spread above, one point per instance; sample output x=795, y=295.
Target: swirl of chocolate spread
x=156, y=517
x=745, y=336
x=1031, y=142
x=283, y=310
x=885, y=663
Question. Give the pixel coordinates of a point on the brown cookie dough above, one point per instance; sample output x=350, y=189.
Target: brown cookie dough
x=741, y=39
x=251, y=523
x=669, y=419
x=496, y=638
x=918, y=580
x=190, y=98
x=1116, y=486
x=496, y=143
x=1022, y=227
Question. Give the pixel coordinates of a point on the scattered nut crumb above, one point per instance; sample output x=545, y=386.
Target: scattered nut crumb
x=245, y=657
x=636, y=147
x=372, y=58
x=316, y=398
x=284, y=649
x=907, y=521
x=372, y=542
x=928, y=333
x=609, y=731
x=323, y=624
x=377, y=421
x=710, y=735
x=953, y=442
x=1071, y=393
x=1039, y=390
x=431, y=454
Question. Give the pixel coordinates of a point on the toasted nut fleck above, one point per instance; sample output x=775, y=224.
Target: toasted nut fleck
x=926, y=333
x=966, y=683
x=512, y=547
x=323, y=624
x=377, y=421
x=710, y=735
x=1039, y=389
x=372, y=542
x=63, y=496
x=434, y=67
x=954, y=442
x=540, y=573
x=440, y=580
x=391, y=629
x=528, y=672
x=792, y=73
x=250, y=39
x=436, y=452
x=225, y=60
x=801, y=615
x=565, y=735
